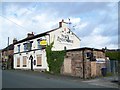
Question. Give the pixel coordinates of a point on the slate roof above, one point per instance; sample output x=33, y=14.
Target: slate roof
x=85, y=48
x=10, y=47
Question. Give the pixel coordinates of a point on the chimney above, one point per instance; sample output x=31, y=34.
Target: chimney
x=14, y=40
x=60, y=23
x=30, y=35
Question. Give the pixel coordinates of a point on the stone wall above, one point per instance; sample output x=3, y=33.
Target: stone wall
x=93, y=69
x=99, y=54
x=79, y=60
x=77, y=68
x=87, y=69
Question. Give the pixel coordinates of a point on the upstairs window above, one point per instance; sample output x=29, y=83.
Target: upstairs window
x=25, y=47
x=38, y=44
x=41, y=43
x=18, y=48
x=28, y=46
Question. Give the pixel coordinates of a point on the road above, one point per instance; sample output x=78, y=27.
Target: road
x=30, y=79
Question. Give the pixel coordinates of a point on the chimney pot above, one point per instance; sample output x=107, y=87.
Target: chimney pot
x=30, y=35
x=60, y=23
x=14, y=40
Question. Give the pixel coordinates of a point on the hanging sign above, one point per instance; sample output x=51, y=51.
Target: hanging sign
x=43, y=42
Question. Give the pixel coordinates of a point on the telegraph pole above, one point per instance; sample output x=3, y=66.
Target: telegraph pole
x=83, y=62
x=8, y=53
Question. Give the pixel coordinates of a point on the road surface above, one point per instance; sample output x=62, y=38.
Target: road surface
x=30, y=79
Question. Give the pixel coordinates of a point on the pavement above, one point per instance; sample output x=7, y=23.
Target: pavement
x=105, y=81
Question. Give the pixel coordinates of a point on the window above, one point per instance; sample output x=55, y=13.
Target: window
x=24, y=61
x=25, y=47
x=90, y=56
x=28, y=46
x=18, y=48
x=39, y=60
x=18, y=62
x=38, y=44
x=41, y=46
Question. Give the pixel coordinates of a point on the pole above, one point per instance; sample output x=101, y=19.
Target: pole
x=7, y=52
x=83, y=65
x=8, y=41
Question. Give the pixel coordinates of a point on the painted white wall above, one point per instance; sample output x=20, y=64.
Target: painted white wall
x=55, y=35
x=57, y=46
x=33, y=53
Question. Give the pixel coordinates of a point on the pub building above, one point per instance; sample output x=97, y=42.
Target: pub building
x=29, y=53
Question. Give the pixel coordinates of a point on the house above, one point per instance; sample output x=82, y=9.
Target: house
x=7, y=55
x=29, y=53
x=84, y=62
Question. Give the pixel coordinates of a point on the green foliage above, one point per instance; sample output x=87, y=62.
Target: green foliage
x=109, y=74
x=113, y=55
x=54, y=59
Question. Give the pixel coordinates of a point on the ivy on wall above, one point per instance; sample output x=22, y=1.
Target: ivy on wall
x=54, y=59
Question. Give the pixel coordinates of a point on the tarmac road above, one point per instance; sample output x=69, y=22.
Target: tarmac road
x=30, y=79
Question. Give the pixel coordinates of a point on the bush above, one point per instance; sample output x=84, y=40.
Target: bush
x=113, y=55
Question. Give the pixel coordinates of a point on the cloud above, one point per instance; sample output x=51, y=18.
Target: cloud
x=94, y=22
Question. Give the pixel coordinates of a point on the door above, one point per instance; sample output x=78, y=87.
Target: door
x=31, y=59
x=67, y=66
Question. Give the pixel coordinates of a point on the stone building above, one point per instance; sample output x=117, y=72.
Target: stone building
x=84, y=62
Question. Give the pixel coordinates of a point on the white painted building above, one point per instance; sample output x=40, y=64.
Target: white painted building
x=30, y=47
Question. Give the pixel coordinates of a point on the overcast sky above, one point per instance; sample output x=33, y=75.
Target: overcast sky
x=96, y=23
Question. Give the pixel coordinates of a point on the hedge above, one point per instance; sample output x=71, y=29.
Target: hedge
x=113, y=55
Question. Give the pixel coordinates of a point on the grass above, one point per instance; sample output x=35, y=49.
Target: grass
x=109, y=74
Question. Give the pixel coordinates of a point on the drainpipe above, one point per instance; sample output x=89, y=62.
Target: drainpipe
x=83, y=65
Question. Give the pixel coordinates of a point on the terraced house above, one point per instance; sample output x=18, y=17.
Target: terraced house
x=29, y=53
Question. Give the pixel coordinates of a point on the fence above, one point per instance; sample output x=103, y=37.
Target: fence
x=112, y=66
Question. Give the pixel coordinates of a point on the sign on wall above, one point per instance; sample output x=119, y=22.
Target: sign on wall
x=43, y=42
x=64, y=38
x=100, y=60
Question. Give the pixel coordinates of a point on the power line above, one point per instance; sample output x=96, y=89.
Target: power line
x=13, y=22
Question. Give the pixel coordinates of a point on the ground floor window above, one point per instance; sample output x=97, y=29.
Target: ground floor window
x=18, y=62
x=39, y=60
x=24, y=61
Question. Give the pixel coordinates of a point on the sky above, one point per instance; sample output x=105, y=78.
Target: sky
x=95, y=23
